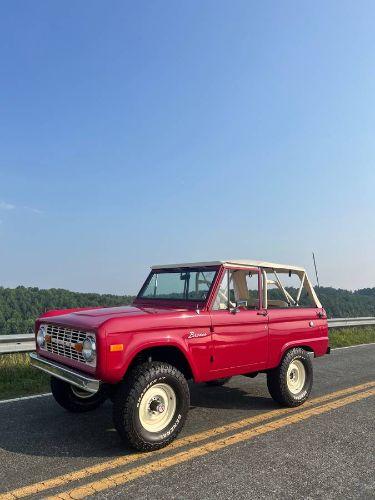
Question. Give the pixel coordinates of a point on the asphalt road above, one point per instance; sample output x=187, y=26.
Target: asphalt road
x=325, y=449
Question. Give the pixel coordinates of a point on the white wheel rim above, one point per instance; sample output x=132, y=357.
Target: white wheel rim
x=81, y=393
x=157, y=407
x=296, y=376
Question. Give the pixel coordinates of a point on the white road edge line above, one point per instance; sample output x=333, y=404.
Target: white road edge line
x=23, y=398
x=35, y=396
x=351, y=346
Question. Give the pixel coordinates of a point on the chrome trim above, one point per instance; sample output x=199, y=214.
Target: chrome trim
x=84, y=382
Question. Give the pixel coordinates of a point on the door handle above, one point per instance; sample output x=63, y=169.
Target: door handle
x=262, y=313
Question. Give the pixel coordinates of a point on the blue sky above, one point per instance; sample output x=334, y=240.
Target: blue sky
x=134, y=133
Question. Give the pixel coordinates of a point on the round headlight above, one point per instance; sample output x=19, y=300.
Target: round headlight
x=41, y=336
x=89, y=349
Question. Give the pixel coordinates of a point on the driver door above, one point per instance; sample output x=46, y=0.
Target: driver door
x=239, y=324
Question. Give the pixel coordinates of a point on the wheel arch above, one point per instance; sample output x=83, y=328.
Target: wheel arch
x=287, y=347
x=169, y=353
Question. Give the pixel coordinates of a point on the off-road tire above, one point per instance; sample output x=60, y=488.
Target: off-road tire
x=218, y=382
x=128, y=398
x=65, y=396
x=277, y=379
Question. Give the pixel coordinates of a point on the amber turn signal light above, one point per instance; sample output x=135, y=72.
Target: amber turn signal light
x=116, y=347
x=78, y=347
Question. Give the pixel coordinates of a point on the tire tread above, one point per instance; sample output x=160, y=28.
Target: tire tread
x=276, y=379
x=63, y=395
x=127, y=396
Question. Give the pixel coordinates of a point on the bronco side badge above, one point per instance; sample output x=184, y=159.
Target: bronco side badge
x=193, y=335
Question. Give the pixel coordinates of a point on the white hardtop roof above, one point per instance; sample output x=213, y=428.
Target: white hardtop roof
x=238, y=262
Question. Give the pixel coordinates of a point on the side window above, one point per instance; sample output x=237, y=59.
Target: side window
x=275, y=295
x=252, y=283
x=222, y=297
x=287, y=289
x=238, y=286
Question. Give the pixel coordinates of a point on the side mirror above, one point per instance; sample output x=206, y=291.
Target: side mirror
x=239, y=304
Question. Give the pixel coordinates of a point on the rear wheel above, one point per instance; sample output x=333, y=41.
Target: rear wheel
x=74, y=399
x=290, y=383
x=151, y=406
x=218, y=382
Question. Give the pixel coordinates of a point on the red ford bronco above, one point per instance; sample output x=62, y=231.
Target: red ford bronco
x=204, y=322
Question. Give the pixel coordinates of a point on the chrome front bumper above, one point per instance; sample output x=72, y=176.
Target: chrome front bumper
x=62, y=372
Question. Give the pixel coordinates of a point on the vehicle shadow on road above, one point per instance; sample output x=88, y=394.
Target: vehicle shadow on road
x=42, y=428
x=231, y=397
x=39, y=427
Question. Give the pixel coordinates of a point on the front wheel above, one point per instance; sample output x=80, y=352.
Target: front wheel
x=290, y=383
x=151, y=406
x=74, y=399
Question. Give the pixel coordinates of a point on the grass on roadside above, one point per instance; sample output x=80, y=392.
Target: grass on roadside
x=19, y=378
x=342, y=337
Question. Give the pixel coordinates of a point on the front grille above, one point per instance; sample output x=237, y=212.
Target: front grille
x=62, y=341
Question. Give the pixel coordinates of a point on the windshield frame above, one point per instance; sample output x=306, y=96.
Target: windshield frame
x=177, y=302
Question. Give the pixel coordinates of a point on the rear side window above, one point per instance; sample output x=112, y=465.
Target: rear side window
x=287, y=289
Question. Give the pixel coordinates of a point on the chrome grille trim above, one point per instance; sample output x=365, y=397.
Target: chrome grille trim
x=63, y=340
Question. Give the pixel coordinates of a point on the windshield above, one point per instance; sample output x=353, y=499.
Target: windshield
x=178, y=284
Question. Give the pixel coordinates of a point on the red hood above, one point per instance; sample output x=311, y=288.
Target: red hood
x=91, y=319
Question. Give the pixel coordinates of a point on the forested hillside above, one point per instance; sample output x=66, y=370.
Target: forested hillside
x=20, y=306
x=345, y=304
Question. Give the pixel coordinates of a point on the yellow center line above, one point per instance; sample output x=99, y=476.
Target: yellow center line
x=199, y=451
x=64, y=479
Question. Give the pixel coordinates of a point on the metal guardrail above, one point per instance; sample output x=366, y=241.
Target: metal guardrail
x=340, y=322
x=26, y=342
x=17, y=343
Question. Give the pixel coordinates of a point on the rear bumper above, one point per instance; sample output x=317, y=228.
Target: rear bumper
x=73, y=377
